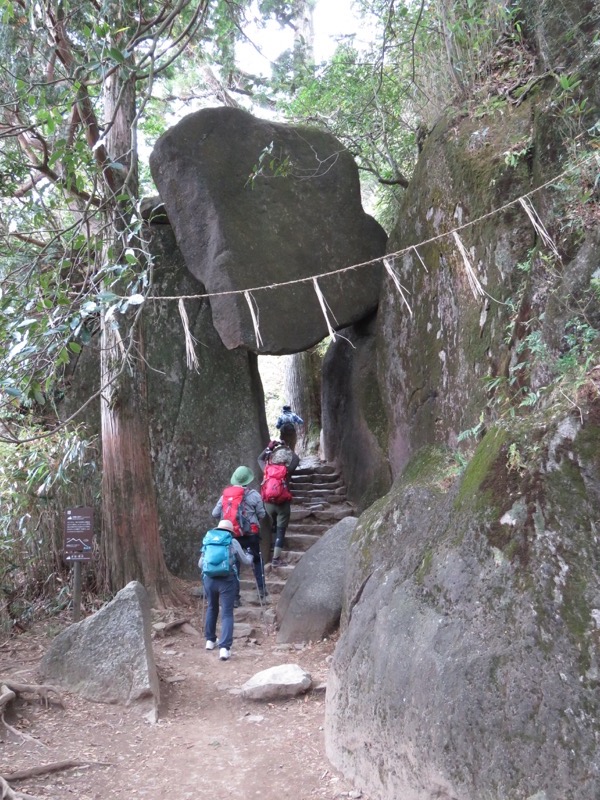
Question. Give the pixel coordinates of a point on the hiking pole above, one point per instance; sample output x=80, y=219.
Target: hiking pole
x=265, y=592
x=203, y=620
x=260, y=599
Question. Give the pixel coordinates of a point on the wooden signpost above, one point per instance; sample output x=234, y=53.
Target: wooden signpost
x=79, y=533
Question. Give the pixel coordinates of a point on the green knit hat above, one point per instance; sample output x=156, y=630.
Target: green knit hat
x=242, y=476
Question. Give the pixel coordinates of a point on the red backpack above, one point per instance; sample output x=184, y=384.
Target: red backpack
x=274, y=488
x=233, y=509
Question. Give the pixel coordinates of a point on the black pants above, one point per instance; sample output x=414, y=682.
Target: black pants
x=251, y=541
x=289, y=435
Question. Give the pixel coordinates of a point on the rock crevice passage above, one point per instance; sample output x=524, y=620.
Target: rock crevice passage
x=319, y=502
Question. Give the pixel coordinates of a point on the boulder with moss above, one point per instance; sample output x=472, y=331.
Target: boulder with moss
x=469, y=660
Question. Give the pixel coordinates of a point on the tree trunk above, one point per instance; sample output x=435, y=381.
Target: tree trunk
x=302, y=389
x=132, y=547
x=131, y=541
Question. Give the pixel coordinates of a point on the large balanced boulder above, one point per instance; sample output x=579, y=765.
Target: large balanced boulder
x=255, y=203
x=468, y=664
x=107, y=658
x=311, y=601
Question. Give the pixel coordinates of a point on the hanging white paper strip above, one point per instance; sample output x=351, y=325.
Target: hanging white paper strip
x=387, y=263
x=323, y=304
x=474, y=281
x=252, y=305
x=538, y=225
x=190, y=351
x=420, y=259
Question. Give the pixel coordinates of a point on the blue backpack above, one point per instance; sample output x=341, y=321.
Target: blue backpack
x=216, y=560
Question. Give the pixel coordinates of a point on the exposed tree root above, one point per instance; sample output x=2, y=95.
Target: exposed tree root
x=20, y=734
x=9, y=691
x=42, y=690
x=44, y=769
x=6, y=793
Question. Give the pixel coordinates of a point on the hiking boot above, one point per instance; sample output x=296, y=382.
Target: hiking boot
x=210, y=645
x=277, y=562
x=224, y=654
x=237, y=602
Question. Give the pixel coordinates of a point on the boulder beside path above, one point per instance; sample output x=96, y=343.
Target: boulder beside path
x=310, y=605
x=108, y=658
x=275, y=683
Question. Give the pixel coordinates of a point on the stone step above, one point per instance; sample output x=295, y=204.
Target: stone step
x=320, y=504
x=316, y=480
x=308, y=526
x=333, y=514
x=317, y=494
x=305, y=530
x=275, y=585
x=290, y=556
x=322, y=469
x=300, y=541
x=250, y=599
x=255, y=615
x=281, y=573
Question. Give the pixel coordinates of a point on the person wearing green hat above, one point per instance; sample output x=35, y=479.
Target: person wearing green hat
x=244, y=508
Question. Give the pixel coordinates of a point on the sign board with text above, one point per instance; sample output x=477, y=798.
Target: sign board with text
x=79, y=533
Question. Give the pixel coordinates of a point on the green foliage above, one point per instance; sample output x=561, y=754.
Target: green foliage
x=38, y=480
x=361, y=106
x=513, y=157
x=475, y=432
x=72, y=250
x=270, y=165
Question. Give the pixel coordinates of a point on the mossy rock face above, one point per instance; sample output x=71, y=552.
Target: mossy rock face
x=432, y=362
x=469, y=658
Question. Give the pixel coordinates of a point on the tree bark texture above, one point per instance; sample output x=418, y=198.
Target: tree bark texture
x=302, y=388
x=131, y=541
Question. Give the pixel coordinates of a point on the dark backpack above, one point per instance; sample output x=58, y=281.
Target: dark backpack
x=285, y=423
x=216, y=560
x=274, y=488
x=233, y=509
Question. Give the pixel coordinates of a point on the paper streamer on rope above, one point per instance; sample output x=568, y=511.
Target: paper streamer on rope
x=252, y=305
x=387, y=263
x=190, y=351
x=474, y=281
x=418, y=255
x=539, y=225
x=324, y=307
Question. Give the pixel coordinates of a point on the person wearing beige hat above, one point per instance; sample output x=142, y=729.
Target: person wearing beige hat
x=220, y=584
x=244, y=508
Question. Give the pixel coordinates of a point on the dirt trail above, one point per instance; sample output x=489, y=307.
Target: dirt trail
x=208, y=739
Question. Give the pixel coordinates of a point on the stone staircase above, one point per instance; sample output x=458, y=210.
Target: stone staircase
x=319, y=502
